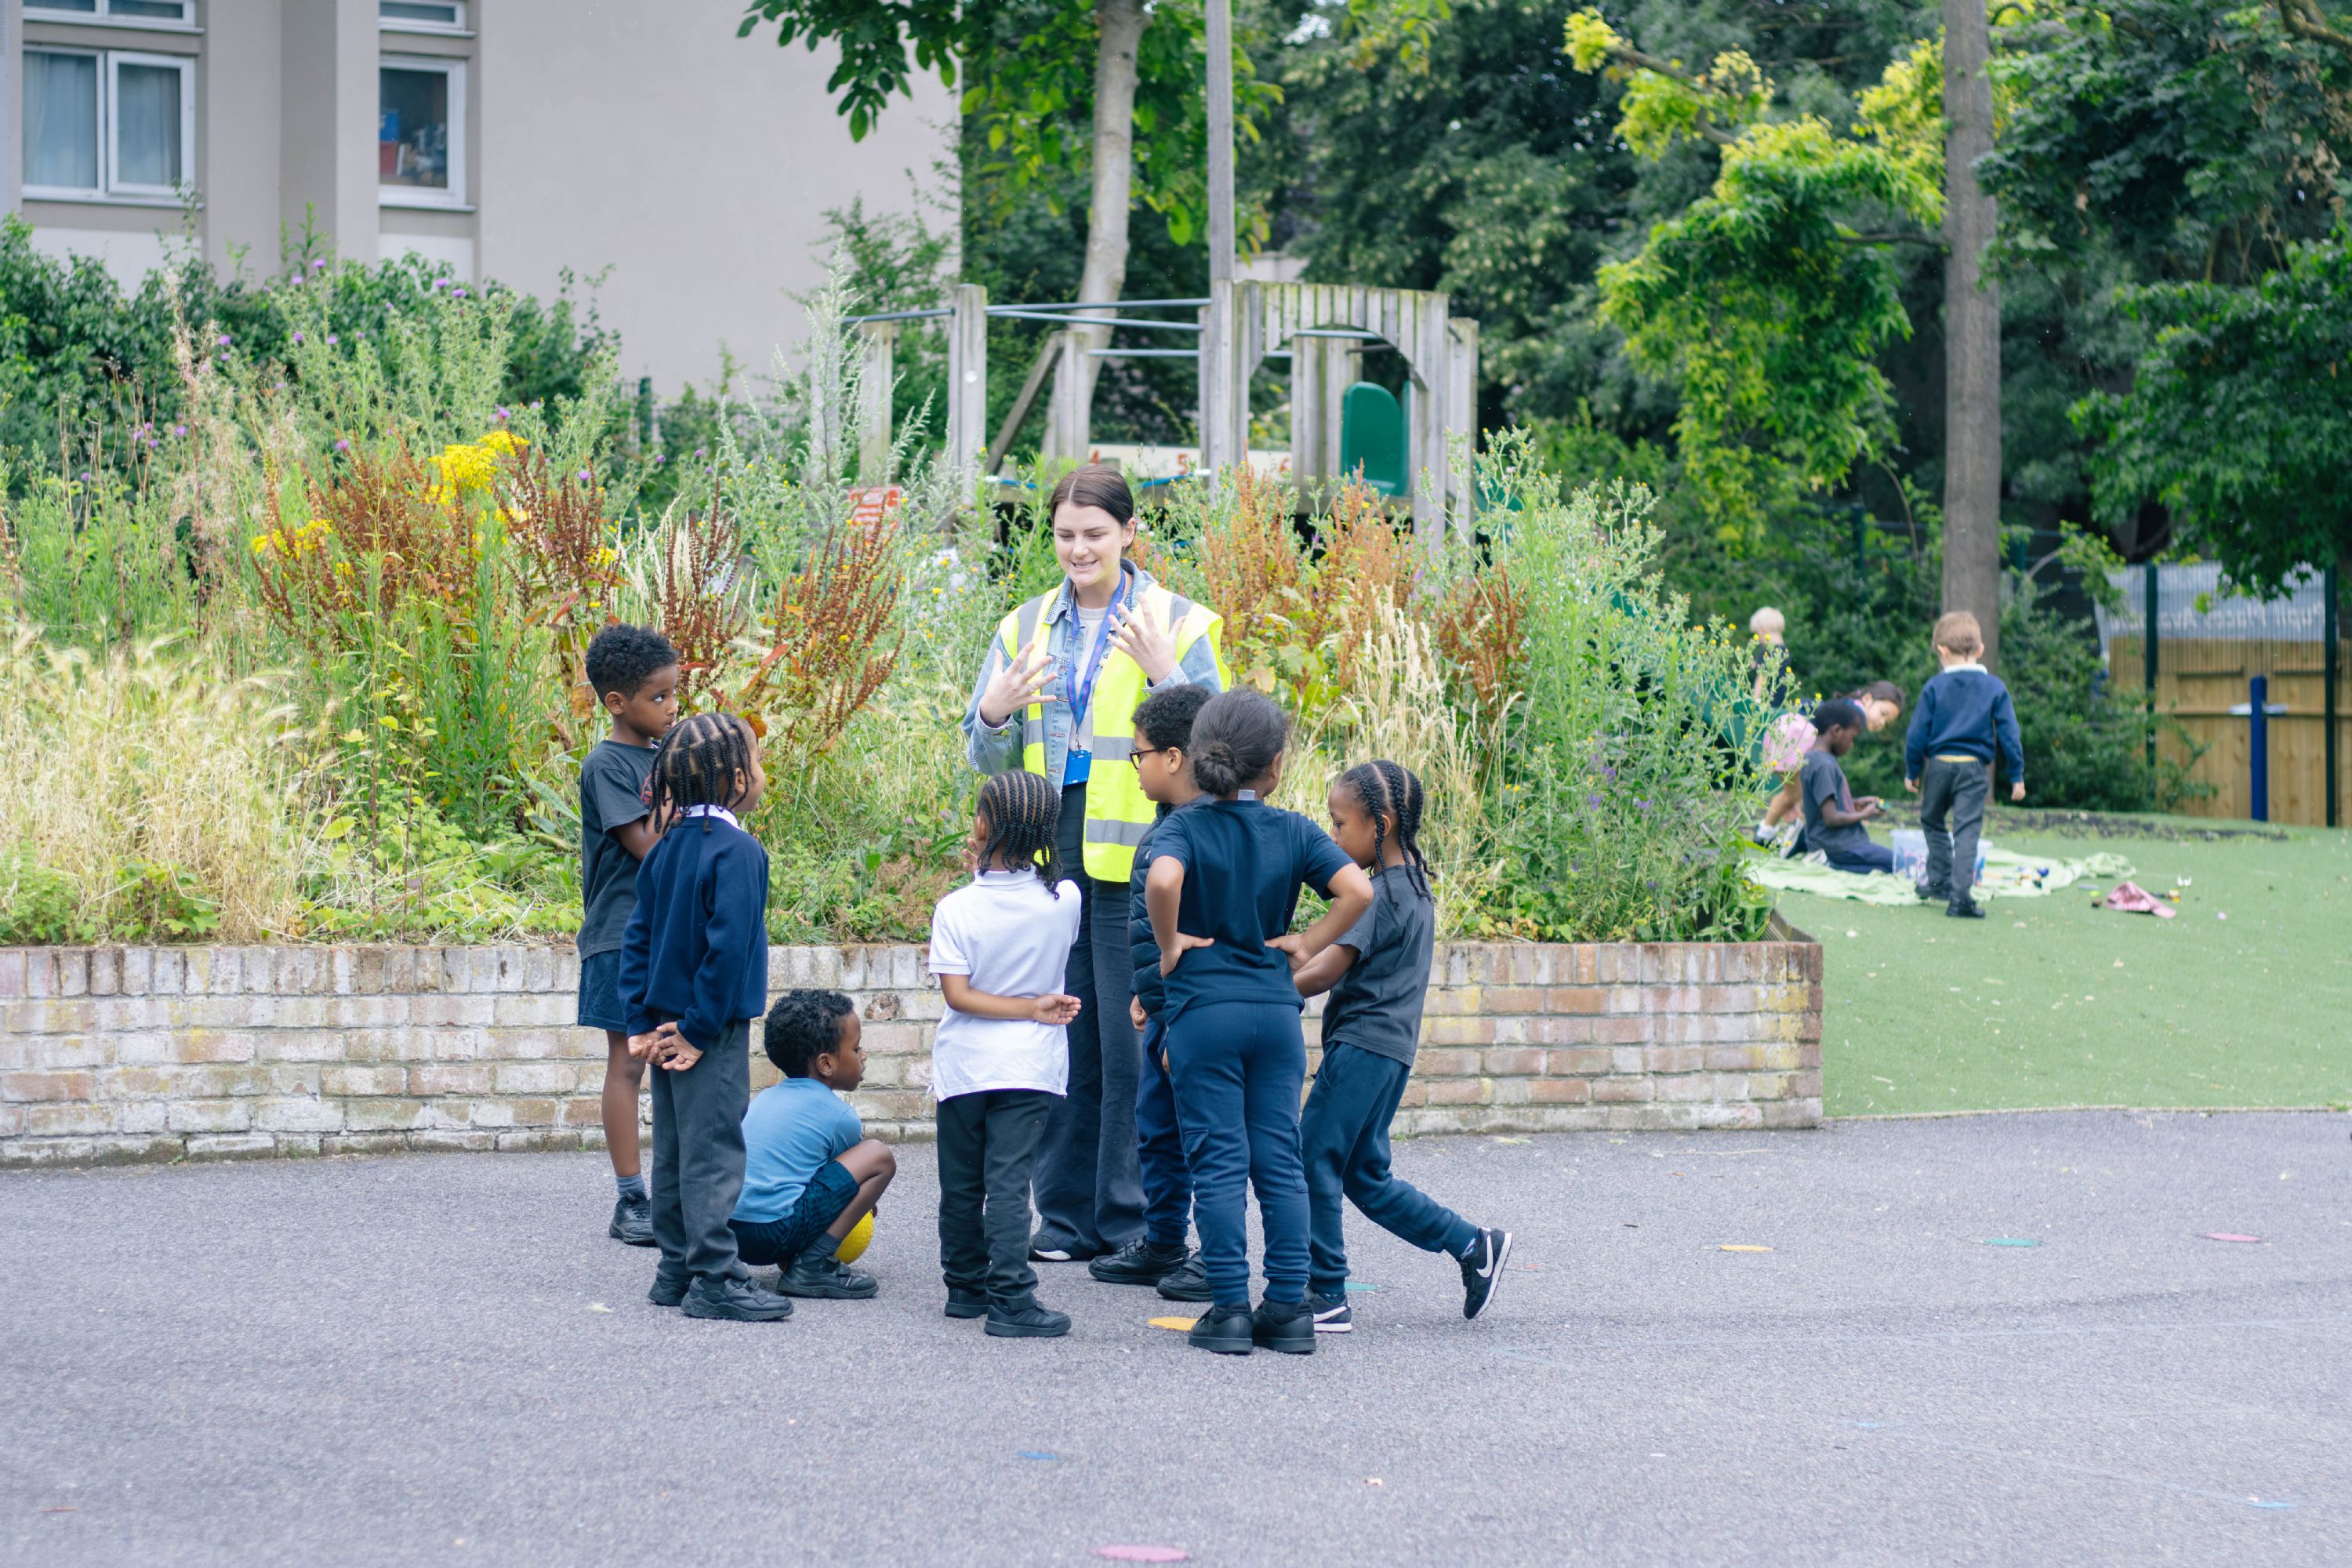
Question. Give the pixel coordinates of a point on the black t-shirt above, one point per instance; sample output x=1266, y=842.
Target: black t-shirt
x=612, y=794
x=1377, y=1004
x=1821, y=779
x=1244, y=863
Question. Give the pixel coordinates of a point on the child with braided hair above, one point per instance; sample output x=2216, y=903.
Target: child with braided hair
x=1375, y=975
x=694, y=973
x=1001, y=1056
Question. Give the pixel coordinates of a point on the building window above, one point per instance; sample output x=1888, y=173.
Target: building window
x=106, y=124
x=421, y=134
x=422, y=15
x=175, y=11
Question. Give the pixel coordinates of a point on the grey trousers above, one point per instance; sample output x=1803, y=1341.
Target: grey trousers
x=1089, y=1172
x=697, y=1171
x=988, y=1149
x=1951, y=814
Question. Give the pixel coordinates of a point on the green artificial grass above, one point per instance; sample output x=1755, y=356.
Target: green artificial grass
x=2052, y=1002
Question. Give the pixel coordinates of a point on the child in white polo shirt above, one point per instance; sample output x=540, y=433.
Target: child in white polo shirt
x=999, y=947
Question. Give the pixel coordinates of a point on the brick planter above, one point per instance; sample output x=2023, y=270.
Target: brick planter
x=123, y=1054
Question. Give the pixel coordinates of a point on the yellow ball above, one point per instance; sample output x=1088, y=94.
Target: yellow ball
x=853, y=1246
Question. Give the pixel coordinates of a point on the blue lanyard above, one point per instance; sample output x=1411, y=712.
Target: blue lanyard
x=1081, y=691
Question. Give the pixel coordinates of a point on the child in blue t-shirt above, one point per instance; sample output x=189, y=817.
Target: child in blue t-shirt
x=810, y=1173
x=1221, y=893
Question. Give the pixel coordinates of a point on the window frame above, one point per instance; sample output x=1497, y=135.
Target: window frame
x=456, y=29
x=452, y=197
x=104, y=15
x=109, y=109
x=40, y=193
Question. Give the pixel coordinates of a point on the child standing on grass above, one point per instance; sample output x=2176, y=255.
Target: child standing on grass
x=1377, y=974
x=1964, y=717
x=1223, y=887
x=1164, y=770
x=694, y=973
x=633, y=672
x=1002, y=1056
x=1833, y=817
x=810, y=1173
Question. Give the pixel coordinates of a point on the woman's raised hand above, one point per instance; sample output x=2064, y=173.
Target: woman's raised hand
x=1021, y=681
x=1145, y=638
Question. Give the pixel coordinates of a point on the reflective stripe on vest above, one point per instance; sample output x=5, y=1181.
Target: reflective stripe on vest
x=1117, y=811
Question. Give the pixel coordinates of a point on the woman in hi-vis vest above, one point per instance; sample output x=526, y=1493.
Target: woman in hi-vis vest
x=1057, y=695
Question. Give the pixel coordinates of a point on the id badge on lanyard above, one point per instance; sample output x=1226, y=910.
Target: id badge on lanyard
x=1078, y=766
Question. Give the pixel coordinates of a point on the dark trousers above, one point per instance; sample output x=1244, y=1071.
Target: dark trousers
x=698, y=1158
x=1159, y=1149
x=1344, y=1133
x=1238, y=1067
x=1951, y=814
x=1089, y=1192
x=1861, y=857
x=987, y=1152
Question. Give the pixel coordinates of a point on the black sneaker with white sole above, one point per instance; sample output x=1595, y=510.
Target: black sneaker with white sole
x=1482, y=1269
x=632, y=1222
x=734, y=1301
x=1331, y=1314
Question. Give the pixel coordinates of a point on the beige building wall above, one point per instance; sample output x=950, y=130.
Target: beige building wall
x=638, y=141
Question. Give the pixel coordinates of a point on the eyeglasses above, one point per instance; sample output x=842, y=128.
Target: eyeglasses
x=1135, y=758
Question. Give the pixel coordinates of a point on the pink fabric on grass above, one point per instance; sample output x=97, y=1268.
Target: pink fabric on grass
x=2131, y=899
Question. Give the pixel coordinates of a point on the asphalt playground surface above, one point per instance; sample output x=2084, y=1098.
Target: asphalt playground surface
x=440, y=1359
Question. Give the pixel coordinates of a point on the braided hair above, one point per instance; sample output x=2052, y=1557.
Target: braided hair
x=1023, y=811
x=700, y=762
x=1390, y=789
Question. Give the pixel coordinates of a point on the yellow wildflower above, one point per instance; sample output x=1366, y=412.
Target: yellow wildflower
x=465, y=467
x=504, y=441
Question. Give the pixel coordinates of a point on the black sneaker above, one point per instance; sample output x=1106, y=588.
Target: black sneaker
x=1025, y=1319
x=1482, y=1271
x=1286, y=1326
x=1140, y=1262
x=1043, y=1248
x=669, y=1288
x=735, y=1301
x=967, y=1303
x=824, y=1280
x=1964, y=909
x=1331, y=1313
x=632, y=1222
x=1189, y=1282
x=1228, y=1331
x=1928, y=895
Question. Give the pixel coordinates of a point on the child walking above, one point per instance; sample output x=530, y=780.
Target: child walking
x=1222, y=890
x=1001, y=1056
x=632, y=671
x=1164, y=770
x=1377, y=974
x=810, y=1173
x=694, y=973
x=1964, y=718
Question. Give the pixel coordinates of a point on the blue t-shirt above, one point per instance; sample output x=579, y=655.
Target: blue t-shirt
x=791, y=1128
x=1244, y=863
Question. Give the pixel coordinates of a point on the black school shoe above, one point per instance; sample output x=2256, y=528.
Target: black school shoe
x=1025, y=1319
x=668, y=1289
x=734, y=1301
x=632, y=1222
x=967, y=1303
x=824, y=1280
x=1140, y=1262
x=1482, y=1271
x=1285, y=1326
x=1331, y=1313
x=1928, y=895
x=1228, y=1331
x=1190, y=1282
x=1964, y=909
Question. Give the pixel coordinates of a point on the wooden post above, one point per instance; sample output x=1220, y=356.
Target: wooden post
x=968, y=378
x=1068, y=430
x=1461, y=418
x=1971, y=332
x=2148, y=639
x=1218, y=347
x=2330, y=664
x=1428, y=343
x=874, y=385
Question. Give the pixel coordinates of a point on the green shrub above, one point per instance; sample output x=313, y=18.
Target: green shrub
x=39, y=906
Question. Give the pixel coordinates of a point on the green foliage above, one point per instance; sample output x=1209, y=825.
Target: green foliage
x=39, y=905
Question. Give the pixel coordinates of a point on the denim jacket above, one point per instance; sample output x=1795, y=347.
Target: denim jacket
x=997, y=751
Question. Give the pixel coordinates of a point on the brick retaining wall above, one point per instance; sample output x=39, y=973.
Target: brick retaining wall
x=121, y=1053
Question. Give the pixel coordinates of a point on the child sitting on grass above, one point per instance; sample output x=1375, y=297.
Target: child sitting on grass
x=1833, y=818
x=810, y=1173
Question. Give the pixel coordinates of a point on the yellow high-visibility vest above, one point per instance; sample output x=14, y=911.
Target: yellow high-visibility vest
x=1117, y=811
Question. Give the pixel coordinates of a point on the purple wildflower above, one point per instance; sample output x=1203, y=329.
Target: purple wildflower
x=297, y=339
x=1594, y=801
x=330, y=340
x=460, y=293
x=320, y=265
x=440, y=282
x=179, y=429
x=343, y=446
x=224, y=340
x=498, y=413
x=583, y=476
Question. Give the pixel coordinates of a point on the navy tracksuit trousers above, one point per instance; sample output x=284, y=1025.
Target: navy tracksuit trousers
x=1238, y=1068
x=1160, y=1148
x=1345, y=1132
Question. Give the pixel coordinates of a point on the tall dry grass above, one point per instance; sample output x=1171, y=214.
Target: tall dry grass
x=149, y=761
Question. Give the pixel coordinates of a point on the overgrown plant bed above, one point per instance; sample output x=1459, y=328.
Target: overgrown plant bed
x=121, y=1054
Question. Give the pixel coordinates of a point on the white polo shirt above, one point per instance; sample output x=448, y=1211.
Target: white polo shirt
x=1009, y=935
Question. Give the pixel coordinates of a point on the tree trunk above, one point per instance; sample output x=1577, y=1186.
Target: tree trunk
x=1971, y=332
x=1119, y=24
